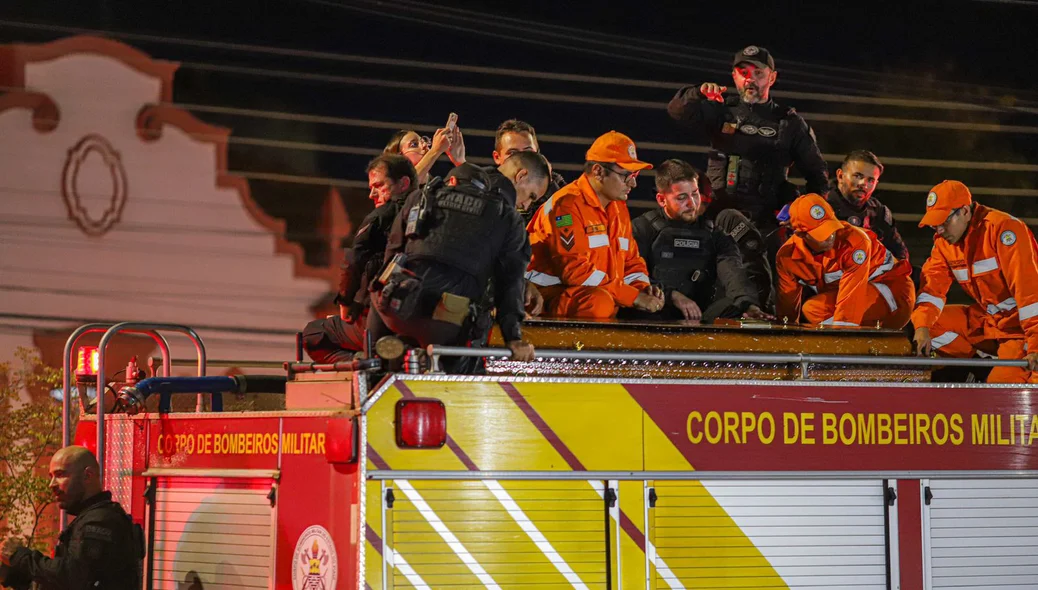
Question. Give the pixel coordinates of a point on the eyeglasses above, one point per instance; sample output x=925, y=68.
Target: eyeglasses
x=625, y=175
x=948, y=219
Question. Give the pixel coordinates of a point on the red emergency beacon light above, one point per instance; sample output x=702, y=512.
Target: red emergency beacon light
x=86, y=363
x=421, y=423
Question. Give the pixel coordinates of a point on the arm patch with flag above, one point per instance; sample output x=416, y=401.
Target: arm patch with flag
x=564, y=220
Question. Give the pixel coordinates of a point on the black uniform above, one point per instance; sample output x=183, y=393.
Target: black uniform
x=753, y=147
x=455, y=238
x=102, y=548
x=874, y=216
x=331, y=339
x=701, y=263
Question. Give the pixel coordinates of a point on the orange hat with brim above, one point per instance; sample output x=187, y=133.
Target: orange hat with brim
x=616, y=148
x=813, y=215
x=942, y=200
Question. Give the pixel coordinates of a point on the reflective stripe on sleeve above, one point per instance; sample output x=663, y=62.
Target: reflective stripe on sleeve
x=943, y=340
x=832, y=277
x=636, y=276
x=625, y=244
x=888, y=263
x=543, y=279
x=986, y=265
x=961, y=274
x=595, y=279
x=1028, y=311
x=833, y=322
x=932, y=300
x=887, y=294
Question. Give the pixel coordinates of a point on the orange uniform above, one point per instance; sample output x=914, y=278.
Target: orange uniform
x=585, y=260
x=857, y=282
x=995, y=264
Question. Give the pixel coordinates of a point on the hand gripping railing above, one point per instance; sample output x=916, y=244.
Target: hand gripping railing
x=101, y=354
x=804, y=360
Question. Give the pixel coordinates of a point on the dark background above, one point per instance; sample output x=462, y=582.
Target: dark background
x=975, y=52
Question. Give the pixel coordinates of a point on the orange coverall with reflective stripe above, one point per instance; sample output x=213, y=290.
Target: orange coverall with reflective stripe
x=584, y=259
x=995, y=264
x=858, y=282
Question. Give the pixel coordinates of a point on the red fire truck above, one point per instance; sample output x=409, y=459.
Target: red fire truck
x=625, y=456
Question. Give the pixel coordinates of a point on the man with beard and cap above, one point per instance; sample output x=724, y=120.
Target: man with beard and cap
x=699, y=268
x=754, y=142
x=992, y=256
x=101, y=548
x=852, y=200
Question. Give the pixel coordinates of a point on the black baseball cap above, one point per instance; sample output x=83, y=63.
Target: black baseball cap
x=755, y=55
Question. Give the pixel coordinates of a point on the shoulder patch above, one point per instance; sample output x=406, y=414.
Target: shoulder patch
x=1008, y=238
x=817, y=212
x=97, y=532
x=563, y=220
x=858, y=256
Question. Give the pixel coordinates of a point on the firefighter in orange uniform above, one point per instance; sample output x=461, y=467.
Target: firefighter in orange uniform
x=585, y=260
x=991, y=255
x=853, y=280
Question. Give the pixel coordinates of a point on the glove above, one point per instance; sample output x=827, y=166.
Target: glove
x=783, y=214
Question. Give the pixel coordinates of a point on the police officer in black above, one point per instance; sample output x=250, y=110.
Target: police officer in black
x=333, y=339
x=446, y=244
x=699, y=267
x=754, y=141
x=852, y=200
x=102, y=548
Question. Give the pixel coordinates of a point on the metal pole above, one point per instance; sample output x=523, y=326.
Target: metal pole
x=773, y=358
x=103, y=345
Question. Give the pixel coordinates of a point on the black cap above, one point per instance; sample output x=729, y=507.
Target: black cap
x=755, y=55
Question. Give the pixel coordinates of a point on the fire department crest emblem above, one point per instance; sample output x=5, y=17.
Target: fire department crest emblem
x=817, y=212
x=858, y=256
x=931, y=199
x=1008, y=238
x=751, y=50
x=631, y=152
x=315, y=565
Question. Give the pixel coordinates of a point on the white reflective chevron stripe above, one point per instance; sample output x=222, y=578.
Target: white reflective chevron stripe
x=595, y=279
x=943, y=340
x=887, y=294
x=625, y=244
x=546, y=207
x=1007, y=305
x=597, y=241
x=888, y=263
x=832, y=277
x=986, y=265
x=636, y=276
x=932, y=300
x=398, y=561
x=542, y=279
x=961, y=274
x=1028, y=311
x=535, y=535
x=441, y=529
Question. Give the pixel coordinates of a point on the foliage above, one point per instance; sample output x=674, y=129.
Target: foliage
x=30, y=432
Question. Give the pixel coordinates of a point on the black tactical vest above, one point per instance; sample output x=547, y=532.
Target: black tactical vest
x=684, y=257
x=462, y=223
x=752, y=155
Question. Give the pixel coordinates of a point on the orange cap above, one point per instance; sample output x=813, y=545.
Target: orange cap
x=942, y=200
x=618, y=149
x=812, y=214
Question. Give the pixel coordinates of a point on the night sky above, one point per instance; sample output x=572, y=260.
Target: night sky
x=974, y=51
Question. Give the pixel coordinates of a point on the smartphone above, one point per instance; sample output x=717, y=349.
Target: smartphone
x=452, y=121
